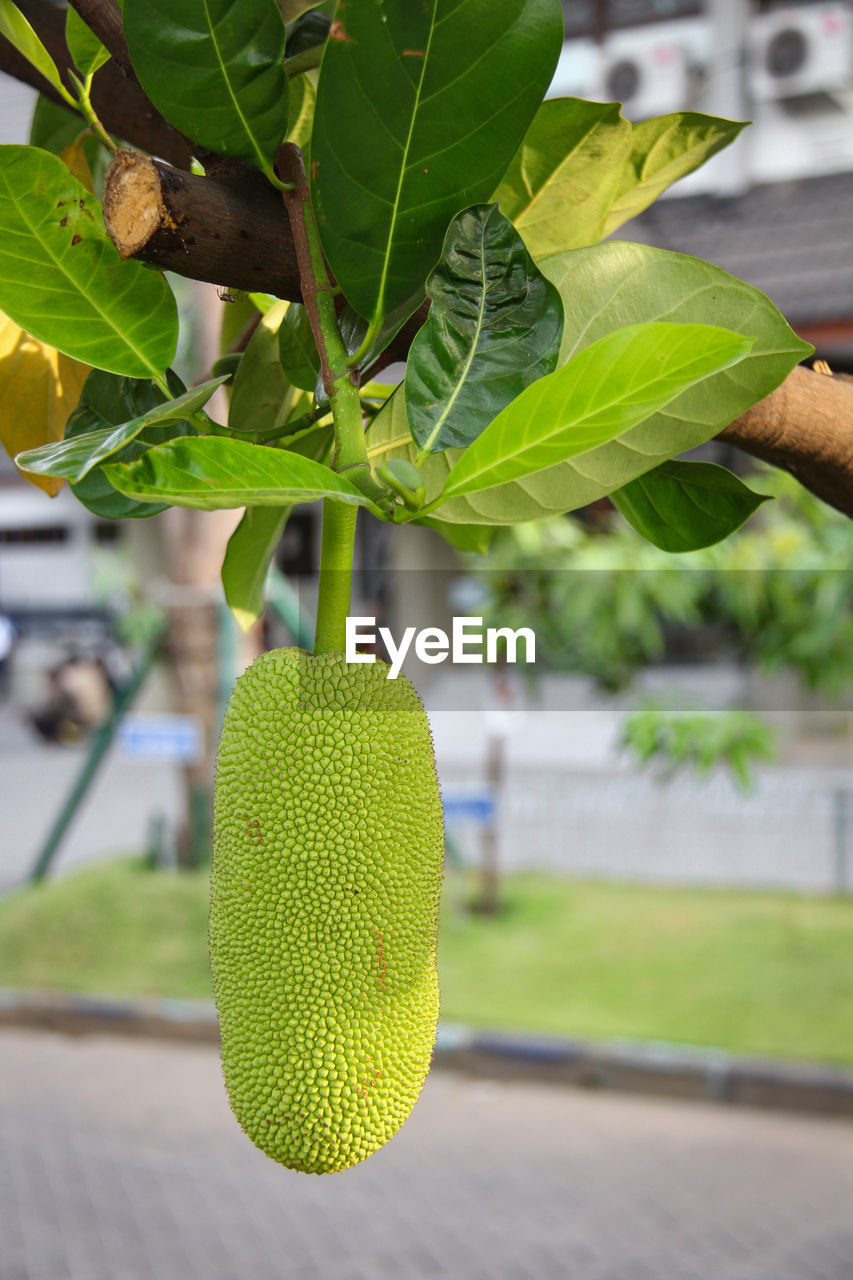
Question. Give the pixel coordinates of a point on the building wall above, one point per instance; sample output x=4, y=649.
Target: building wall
x=803, y=120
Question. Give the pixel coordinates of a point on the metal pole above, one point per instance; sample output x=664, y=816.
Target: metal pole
x=842, y=809
x=101, y=743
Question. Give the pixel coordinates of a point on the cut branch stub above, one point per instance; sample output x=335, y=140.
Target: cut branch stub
x=207, y=229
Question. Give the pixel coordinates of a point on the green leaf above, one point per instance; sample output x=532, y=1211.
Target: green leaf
x=354, y=329
x=61, y=277
x=210, y=473
x=583, y=169
x=682, y=506
x=84, y=46
x=19, y=33
x=565, y=176
x=108, y=401
x=493, y=328
x=262, y=397
x=290, y=10
x=247, y=560
x=604, y=287
x=64, y=132
x=297, y=349
x=602, y=392
x=420, y=107
x=464, y=537
x=74, y=458
x=54, y=127
x=303, y=96
x=663, y=150
x=214, y=68
x=237, y=315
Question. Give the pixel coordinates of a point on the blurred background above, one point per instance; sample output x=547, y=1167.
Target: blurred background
x=649, y=833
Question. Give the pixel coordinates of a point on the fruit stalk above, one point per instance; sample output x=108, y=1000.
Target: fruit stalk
x=341, y=386
x=336, y=552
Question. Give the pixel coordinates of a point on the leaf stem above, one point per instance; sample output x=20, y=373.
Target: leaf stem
x=295, y=430
x=373, y=331
x=84, y=105
x=340, y=383
x=341, y=386
x=336, y=553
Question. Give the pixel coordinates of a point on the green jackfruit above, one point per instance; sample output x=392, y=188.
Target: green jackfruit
x=328, y=853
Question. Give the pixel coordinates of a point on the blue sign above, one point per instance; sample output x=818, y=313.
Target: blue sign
x=161, y=737
x=478, y=808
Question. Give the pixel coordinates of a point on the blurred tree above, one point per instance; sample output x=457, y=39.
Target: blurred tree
x=603, y=601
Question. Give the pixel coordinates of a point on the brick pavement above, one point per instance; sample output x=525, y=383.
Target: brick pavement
x=119, y=1160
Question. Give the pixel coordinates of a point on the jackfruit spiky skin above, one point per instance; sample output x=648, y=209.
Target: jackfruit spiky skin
x=327, y=864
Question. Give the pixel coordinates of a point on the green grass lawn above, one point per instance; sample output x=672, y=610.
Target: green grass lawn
x=751, y=972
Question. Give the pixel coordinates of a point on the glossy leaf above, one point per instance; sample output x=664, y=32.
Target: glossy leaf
x=39, y=387
x=494, y=326
x=74, y=458
x=682, y=506
x=247, y=560
x=17, y=30
x=602, y=392
x=108, y=401
x=563, y=179
x=297, y=349
x=663, y=150
x=214, y=68
x=262, y=396
x=604, y=287
x=420, y=107
x=61, y=277
x=210, y=473
x=86, y=50
x=614, y=284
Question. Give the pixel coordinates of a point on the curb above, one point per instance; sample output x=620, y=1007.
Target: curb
x=659, y=1070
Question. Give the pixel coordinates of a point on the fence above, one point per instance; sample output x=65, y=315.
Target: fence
x=793, y=832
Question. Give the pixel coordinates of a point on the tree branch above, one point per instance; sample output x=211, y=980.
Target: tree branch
x=805, y=427
x=231, y=230
x=232, y=234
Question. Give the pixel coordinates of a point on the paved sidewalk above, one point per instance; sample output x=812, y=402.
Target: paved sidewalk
x=119, y=1160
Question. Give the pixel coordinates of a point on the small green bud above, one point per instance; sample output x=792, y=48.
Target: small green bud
x=404, y=478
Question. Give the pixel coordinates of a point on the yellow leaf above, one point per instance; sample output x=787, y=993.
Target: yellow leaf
x=39, y=389
x=75, y=158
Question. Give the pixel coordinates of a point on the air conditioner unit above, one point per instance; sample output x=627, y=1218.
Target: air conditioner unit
x=799, y=51
x=649, y=79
